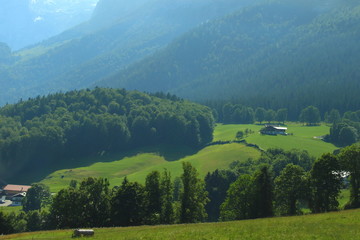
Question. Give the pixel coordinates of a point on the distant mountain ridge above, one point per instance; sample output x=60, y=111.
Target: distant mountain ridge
x=279, y=54
x=93, y=50
x=26, y=22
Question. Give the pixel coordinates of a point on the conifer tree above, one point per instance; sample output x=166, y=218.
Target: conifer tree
x=193, y=197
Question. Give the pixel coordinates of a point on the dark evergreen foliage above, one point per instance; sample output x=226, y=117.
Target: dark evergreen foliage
x=325, y=184
x=279, y=54
x=350, y=162
x=44, y=130
x=216, y=184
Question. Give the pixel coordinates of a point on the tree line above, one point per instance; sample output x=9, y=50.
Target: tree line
x=345, y=130
x=227, y=112
x=278, y=183
x=45, y=130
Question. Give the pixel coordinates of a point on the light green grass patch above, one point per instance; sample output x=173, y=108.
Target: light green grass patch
x=15, y=209
x=335, y=225
x=137, y=167
x=303, y=138
x=344, y=198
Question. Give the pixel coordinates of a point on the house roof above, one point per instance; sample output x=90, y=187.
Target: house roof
x=281, y=128
x=275, y=127
x=23, y=194
x=17, y=188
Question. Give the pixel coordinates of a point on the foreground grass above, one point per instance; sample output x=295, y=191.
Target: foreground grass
x=304, y=137
x=335, y=225
x=138, y=166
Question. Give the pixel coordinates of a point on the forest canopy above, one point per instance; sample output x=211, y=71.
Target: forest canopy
x=43, y=130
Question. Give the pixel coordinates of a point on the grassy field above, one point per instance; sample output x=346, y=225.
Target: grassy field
x=7, y=210
x=136, y=167
x=303, y=137
x=138, y=163
x=335, y=225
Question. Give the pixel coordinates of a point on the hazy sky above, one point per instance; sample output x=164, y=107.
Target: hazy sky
x=24, y=22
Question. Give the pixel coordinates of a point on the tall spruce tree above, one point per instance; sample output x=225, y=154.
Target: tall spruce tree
x=217, y=183
x=167, y=215
x=128, y=204
x=154, y=197
x=193, y=197
x=263, y=192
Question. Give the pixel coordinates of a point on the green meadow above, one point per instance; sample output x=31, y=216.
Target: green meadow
x=136, y=167
x=304, y=137
x=7, y=210
x=138, y=163
x=334, y=225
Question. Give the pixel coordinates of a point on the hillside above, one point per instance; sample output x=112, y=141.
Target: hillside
x=335, y=225
x=57, y=130
x=138, y=163
x=305, y=52
x=116, y=36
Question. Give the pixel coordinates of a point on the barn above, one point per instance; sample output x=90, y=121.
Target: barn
x=273, y=130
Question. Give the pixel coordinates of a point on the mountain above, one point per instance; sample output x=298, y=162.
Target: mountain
x=118, y=34
x=26, y=22
x=277, y=54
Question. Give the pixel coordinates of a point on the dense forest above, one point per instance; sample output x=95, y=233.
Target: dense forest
x=279, y=183
x=281, y=54
x=63, y=126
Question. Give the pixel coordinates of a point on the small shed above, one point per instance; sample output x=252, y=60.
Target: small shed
x=273, y=130
x=17, y=199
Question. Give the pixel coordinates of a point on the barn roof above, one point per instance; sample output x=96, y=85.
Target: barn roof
x=17, y=188
x=281, y=128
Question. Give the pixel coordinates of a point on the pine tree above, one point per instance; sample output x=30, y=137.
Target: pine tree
x=194, y=197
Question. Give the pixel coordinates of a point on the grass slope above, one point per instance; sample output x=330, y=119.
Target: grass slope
x=303, y=137
x=335, y=225
x=137, y=166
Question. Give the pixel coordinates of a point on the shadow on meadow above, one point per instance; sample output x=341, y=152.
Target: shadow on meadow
x=42, y=169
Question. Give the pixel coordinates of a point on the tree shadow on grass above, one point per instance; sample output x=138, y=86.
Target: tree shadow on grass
x=42, y=169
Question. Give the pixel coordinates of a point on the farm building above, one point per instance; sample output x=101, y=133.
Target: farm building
x=11, y=190
x=17, y=199
x=273, y=130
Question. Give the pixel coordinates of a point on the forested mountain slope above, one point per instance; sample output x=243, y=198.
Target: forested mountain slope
x=119, y=33
x=46, y=132
x=280, y=54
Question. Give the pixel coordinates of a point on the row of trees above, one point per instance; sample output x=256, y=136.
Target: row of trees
x=311, y=115
x=278, y=183
x=44, y=130
x=346, y=130
x=94, y=204
x=237, y=113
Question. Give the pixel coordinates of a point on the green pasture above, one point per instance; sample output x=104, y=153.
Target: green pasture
x=138, y=163
x=304, y=137
x=137, y=166
x=335, y=225
x=8, y=210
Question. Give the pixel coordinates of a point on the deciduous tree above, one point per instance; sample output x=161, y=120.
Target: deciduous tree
x=325, y=183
